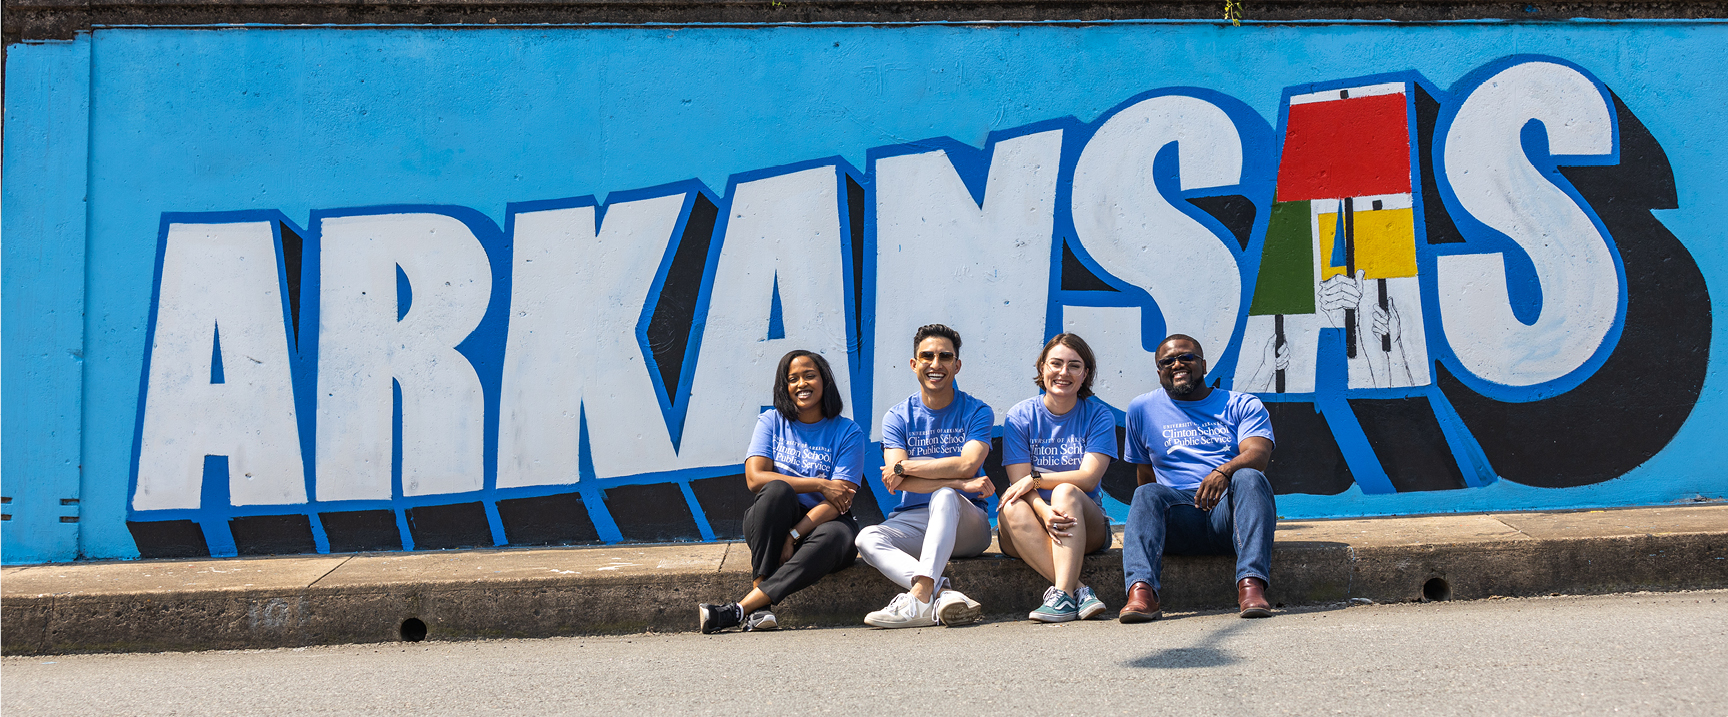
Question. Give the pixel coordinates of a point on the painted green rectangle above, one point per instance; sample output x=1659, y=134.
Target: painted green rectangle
x=1286, y=282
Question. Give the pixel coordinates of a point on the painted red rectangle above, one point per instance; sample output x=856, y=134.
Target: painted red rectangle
x=1352, y=147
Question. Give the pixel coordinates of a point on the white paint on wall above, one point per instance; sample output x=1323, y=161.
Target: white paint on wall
x=1498, y=185
x=783, y=229
x=1257, y=363
x=943, y=255
x=1125, y=370
x=220, y=280
x=1139, y=236
x=362, y=347
x=982, y=270
x=576, y=296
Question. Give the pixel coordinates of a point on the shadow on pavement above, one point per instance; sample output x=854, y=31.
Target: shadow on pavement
x=1205, y=654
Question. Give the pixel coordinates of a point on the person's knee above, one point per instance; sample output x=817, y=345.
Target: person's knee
x=1151, y=505
x=1066, y=493
x=946, y=500
x=1250, y=480
x=869, y=538
x=777, y=490
x=1151, y=492
x=1016, y=513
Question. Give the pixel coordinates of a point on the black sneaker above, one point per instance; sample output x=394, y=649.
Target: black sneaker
x=761, y=620
x=714, y=618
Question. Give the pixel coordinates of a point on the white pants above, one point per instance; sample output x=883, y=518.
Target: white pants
x=918, y=542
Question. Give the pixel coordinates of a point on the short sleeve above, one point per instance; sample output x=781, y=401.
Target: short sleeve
x=894, y=428
x=1252, y=420
x=848, y=453
x=1100, y=432
x=762, y=441
x=1135, y=443
x=978, y=425
x=1016, y=438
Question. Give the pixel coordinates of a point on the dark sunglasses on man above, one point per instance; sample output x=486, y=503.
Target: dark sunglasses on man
x=1169, y=361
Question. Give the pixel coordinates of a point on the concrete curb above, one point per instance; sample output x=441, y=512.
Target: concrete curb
x=310, y=600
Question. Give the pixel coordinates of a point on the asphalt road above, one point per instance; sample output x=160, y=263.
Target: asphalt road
x=1644, y=653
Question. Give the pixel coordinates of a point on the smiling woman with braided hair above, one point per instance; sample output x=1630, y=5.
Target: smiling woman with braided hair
x=803, y=464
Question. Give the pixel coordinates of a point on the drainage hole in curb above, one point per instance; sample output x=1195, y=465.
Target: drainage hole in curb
x=1435, y=590
x=413, y=630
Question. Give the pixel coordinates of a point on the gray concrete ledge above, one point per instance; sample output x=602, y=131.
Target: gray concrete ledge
x=61, y=19
x=459, y=595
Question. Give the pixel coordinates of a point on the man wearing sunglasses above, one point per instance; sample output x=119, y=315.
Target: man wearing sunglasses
x=933, y=446
x=1200, y=455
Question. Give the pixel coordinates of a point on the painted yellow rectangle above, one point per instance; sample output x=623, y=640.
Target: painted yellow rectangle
x=1385, y=243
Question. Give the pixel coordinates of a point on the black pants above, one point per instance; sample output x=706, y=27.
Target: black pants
x=828, y=548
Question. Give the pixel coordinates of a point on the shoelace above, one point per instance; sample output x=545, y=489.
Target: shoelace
x=903, y=605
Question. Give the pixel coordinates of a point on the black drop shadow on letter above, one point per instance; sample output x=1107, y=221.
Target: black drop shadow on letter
x=1634, y=404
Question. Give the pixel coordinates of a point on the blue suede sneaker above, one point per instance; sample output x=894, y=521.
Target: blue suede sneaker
x=1090, y=605
x=1058, y=607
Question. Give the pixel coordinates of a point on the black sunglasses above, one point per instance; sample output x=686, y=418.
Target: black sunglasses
x=1169, y=361
x=932, y=356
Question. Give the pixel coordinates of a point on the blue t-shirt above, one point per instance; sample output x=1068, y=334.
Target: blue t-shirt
x=1185, y=440
x=1051, y=443
x=924, y=433
x=830, y=449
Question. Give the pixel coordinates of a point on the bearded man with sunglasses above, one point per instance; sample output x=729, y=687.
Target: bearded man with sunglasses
x=1201, y=453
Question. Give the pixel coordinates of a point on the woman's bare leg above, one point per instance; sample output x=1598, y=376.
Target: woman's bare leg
x=1022, y=536
x=1068, y=554
x=1097, y=524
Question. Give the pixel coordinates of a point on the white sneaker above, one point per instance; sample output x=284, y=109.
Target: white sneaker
x=903, y=611
x=954, y=608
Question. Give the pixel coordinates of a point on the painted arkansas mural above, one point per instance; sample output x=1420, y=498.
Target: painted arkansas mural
x=1432, y=289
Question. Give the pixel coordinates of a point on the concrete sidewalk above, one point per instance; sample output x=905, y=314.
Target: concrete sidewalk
x=537, y=592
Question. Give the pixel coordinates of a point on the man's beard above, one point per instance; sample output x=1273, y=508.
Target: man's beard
x=1179, y=391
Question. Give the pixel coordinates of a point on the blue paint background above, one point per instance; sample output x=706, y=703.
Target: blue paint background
x=191, y=120
x=42, y=295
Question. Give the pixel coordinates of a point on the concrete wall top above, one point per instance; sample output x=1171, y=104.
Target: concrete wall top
x=60, y=19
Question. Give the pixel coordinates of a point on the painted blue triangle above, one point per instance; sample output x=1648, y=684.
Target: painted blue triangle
x=404, y=293
x=216, y=375
x=1338, y=259
x=776, y=321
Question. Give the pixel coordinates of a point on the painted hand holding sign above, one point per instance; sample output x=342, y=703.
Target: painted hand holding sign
x=1430, y=289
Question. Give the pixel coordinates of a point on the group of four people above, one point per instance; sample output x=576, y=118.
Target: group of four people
x=1200, y=455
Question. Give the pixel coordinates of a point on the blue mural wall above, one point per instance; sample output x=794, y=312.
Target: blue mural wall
x=274, y=290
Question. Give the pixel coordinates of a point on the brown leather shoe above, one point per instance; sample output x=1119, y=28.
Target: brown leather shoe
x=1142, y=604
x=1251, y=598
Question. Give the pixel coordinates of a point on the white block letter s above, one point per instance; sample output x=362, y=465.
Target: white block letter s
x=1499, y=186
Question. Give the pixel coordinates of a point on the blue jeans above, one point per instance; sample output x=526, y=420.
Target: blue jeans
x=1164, y=520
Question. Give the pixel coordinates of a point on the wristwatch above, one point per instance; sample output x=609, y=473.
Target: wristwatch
x=796, y=536
x=899, y=470
x=1037, y=480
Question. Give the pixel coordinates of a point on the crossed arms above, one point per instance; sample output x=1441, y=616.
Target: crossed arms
x=928, y=475
x=836, y=495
